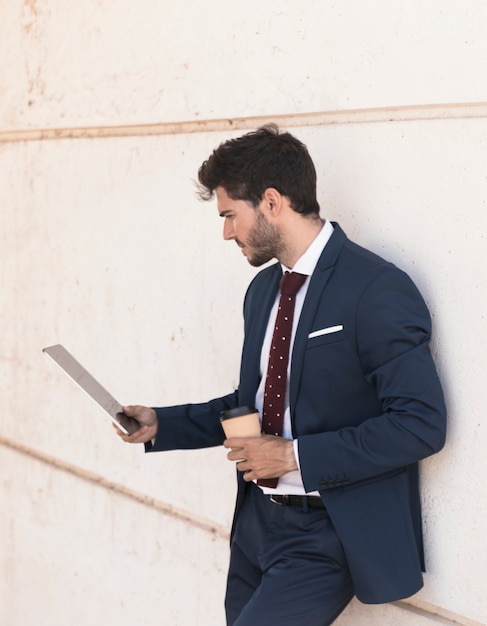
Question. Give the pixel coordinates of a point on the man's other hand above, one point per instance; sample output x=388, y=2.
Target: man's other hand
x=147, y=419
x=262, y=457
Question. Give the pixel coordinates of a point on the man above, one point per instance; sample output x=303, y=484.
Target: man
x=361, y=405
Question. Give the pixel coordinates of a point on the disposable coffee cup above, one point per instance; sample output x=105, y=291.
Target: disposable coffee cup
x=241, y=422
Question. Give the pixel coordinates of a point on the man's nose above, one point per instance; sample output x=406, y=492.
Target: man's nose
x=228, y=232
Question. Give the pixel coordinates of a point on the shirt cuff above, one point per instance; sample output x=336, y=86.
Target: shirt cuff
x=296, y=453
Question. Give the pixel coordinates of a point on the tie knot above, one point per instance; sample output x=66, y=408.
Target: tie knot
x=292, y=282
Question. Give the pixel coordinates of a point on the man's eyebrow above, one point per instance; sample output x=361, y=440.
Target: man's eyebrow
x=225, y=212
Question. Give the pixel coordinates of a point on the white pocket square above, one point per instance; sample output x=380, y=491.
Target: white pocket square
x=325, y=331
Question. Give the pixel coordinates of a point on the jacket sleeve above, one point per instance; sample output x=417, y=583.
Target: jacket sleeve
x=191, y=426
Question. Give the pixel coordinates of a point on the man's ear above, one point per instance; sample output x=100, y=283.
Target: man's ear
x=272, y=201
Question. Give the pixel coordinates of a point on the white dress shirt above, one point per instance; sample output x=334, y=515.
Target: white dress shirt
x=291, y=483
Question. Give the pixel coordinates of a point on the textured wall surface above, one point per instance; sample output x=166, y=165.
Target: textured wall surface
x=105, y=248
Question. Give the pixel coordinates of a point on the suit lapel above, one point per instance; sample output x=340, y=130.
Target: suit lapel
x=318, y=282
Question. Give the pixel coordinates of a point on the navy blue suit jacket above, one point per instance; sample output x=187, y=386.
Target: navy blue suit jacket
x=366, y=406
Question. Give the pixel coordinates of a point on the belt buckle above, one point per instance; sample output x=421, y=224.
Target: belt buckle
x=283, y=499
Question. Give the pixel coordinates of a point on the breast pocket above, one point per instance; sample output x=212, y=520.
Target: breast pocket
x=330, y=334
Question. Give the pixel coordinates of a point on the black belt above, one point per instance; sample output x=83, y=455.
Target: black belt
x=313, y=502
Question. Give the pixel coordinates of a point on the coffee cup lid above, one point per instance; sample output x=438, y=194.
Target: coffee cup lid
x=238, y=412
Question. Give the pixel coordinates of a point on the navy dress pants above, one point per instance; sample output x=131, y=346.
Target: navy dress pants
x=287, y=566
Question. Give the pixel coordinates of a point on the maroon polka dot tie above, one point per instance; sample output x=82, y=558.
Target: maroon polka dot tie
x=275, y=384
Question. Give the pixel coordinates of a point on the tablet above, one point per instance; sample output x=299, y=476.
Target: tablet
x=92, y=388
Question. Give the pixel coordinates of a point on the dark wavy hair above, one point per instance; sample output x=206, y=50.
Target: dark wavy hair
x=245, y=167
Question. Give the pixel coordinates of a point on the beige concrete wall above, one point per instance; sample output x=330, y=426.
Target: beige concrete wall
x=106, y=111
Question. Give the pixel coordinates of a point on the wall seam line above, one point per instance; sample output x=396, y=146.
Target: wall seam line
x=320, y=118
x=163, y=507
x=434, y=612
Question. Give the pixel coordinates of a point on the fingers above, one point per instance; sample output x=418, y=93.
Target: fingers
x=235, y=454
x=131, y=438
x=138, y=412
x=143, y=424
x=140, y=436
x=241, y=447
x=244, y=467
x=262, y=457
x=144, y=415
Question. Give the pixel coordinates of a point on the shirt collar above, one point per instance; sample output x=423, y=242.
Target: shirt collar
x=306, y=263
